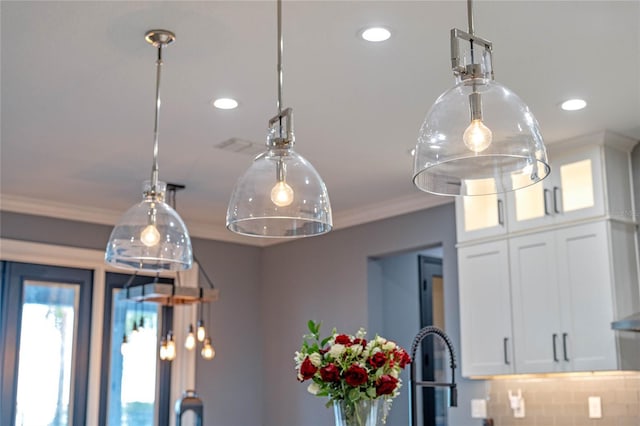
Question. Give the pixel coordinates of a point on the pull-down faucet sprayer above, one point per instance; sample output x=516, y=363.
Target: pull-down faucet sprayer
x=453, y=391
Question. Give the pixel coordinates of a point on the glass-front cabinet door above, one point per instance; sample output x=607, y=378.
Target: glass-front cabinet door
x=479, y=216
x=573, y=190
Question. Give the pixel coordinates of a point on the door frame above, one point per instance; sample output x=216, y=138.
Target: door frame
x=184, y=366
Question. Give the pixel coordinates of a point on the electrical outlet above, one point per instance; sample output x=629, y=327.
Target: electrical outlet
x=595, y=407
x=519, y=412
x=478, y=408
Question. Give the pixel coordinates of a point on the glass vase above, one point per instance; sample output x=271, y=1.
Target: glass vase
x=366, y=412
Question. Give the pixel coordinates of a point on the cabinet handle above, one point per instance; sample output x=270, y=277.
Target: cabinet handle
x=555, y=352
x=500, y=212
x=504, y=345
x=545, y=195
x=556, y=190
x=564, y=345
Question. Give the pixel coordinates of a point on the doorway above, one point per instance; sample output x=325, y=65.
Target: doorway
x=400, y=304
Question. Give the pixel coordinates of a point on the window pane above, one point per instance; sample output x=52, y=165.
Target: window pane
x=132, y=387
x=47, y=337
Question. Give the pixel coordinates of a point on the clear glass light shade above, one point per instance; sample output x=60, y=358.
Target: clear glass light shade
x=479, y=138
x=150, y=236
x=281, y=195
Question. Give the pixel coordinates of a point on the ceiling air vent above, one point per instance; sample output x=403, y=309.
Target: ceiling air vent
x=241, y=146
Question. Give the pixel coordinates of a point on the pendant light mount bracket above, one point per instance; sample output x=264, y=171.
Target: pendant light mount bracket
x=473, y=70
x=281, y=134
x=159, y=38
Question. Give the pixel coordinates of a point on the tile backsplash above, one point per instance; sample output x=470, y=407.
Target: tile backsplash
x=563, y=401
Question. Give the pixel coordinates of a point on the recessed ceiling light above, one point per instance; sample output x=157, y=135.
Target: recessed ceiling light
x=225, y=103
x=573, y=104
x=376, y=34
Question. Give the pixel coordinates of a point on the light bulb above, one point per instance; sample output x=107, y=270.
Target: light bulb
x=207, y=350
x=282, y=194
x=163, y=350
x=190, y=341
x=124, y=346
x=150, y=236
x=201, y=331
x=171, y=348
x=477, y=137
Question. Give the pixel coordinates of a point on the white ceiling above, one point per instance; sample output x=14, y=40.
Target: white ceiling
x=78, y=84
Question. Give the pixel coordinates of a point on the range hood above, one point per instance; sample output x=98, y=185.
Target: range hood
x=630, y=323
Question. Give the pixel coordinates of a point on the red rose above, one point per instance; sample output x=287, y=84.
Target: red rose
x=386, y=384
x=330, y=373
x=378, y=359
x=359, y=341
x=403, y=358
x=355, y=376
x=343, y=339
x=307, y=369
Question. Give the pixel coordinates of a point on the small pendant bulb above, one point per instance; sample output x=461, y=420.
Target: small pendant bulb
x=477, y=137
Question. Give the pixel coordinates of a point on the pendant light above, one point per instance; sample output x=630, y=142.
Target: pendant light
x=151, y=236
x=479, y=137
x=281, y=195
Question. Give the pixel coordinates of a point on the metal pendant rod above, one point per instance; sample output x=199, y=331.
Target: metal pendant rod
x=470, y=15
x=280, y=49
x=154, y=169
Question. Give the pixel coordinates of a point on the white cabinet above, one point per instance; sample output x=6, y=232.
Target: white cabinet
x=562, y=300
x=485, y=310
x=590, y=179
x=545, y=270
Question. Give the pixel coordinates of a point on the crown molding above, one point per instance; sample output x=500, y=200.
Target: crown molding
x=346, y=219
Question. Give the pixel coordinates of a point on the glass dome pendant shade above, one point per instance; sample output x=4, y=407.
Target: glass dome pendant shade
x=281, y=195
x=479, y=137
x=151, y=236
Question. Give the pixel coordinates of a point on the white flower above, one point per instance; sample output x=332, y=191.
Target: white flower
x=313, y=388
x=394, y=373
x=336, y=350
x=316, y=359
x=356, y=349
x=361, y=333
x=380, y=340
x=389, y=345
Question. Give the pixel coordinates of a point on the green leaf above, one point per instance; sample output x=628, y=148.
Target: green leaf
x=325, y=341
x=371, y=392
x=312, y=326
x=354, y=395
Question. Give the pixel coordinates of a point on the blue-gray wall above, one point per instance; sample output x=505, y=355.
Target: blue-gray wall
x=326, y=278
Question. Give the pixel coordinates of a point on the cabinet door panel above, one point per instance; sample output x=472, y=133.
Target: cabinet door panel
x=584, y=277
x=579, y=189
x=480, y=216
x=485, y=310
x=536, y=319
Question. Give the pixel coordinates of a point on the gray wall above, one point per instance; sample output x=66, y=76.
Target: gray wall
x=325, y=278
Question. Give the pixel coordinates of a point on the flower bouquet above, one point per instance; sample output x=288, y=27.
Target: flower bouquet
x=354, y=374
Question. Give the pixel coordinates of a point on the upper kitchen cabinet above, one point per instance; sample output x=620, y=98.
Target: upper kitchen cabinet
x=590, y=178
